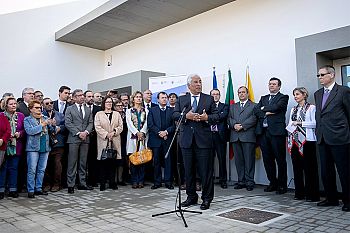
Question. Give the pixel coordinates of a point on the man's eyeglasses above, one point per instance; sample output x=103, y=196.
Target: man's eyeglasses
x=119, y=105
x=49, y=103
x=322, y=75
x=30, y=93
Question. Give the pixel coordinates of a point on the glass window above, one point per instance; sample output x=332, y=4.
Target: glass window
x=345, y=75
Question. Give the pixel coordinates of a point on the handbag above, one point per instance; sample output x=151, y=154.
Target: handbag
x=108, y=152
x=141, y=157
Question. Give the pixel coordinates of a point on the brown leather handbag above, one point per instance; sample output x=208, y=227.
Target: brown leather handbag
x=141, y=157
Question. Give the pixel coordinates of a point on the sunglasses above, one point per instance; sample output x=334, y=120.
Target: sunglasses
x=49, y=103
x=322, y=75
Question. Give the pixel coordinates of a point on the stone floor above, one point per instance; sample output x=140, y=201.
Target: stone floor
x=128, y=210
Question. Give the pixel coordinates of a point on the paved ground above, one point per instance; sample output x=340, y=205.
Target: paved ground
x=127, y=210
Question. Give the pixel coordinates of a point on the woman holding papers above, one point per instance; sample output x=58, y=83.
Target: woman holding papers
x=302, y=147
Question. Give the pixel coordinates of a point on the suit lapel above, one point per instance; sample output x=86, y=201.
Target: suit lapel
x=331, y=96
x=201, y=102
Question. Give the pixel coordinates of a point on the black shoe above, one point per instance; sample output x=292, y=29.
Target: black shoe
x=270, y=188
x=189, y=202
x=346, y=208
x=312, y=199
x=169, y=186
x=40, y=193
x=156, y=186
x=239, y=186
x=205, y=205
x=70, y=190
x=224, y=185
x=326, y=203
x=85, y=187
x=31, y=195
x=122, y=183
x=13, y=194
x=281, y=191
x=113, y=186
x=102, y=187
x=298, y=198
x=2, y=195
x=250, y=188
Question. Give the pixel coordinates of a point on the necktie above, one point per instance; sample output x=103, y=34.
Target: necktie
x=124, y=109
x=325, y=97
x=61, y=110
x=147, y=106
x=194, y=104
x=242, y=105
x=81, y=111
x=271, y=98
x=163, y=109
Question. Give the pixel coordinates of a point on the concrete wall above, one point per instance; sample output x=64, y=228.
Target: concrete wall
x=30, y=56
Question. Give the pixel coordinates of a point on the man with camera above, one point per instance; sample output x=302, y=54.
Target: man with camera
x=53, y=173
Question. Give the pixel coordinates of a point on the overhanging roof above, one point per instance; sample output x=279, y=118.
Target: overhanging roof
x=118, y=21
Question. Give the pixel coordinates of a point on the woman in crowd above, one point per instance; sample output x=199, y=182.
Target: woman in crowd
x=108, y=126
x=14, y=149
x=37, y=127
x=302, y=146
x=123, y=135
x=5, y=134
x=136, y=119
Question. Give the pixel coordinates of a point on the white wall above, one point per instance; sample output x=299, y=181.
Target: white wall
x=30, y=56
x=259, y=32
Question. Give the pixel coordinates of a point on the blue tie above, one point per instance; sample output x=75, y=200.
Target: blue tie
x=194, y=104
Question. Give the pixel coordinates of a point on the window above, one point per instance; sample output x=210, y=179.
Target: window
x=345, y=75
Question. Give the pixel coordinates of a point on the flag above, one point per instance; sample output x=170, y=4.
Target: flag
x=215, y=83
x=248, y=84
x=230, y=99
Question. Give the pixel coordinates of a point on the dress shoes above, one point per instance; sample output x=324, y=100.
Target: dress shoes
x=113, y=186
x=134, y=186
x=346, y=208
x=270, y=188
x=122, y=183
x=183, y=187
x=41, y=193
x=205, y=205
x=85, y=187
x=70, y=190
x=141, y=186
x=13, y=194
x=55, y=188
x=31, y=195
x=239, y=186
x=250, y=188
x=189, y=202
x=224, y=185
x=156, y=186
x=102, y=187
x=169, y=186
x=298, y=198
x=326, y=203
x=281, y=191
x=308, y=199
x=2, y=195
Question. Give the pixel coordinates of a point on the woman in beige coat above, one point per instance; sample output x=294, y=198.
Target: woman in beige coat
x=108, y=126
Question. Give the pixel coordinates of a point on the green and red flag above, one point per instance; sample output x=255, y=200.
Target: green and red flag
x=230, y=99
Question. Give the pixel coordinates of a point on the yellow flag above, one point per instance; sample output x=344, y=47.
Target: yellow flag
x=248, y=84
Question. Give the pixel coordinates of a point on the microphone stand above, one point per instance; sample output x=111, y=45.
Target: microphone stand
x=178, y=208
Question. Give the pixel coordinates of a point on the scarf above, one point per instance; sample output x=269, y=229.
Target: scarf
x=138, y=119
x=298, y=137
x=11, y=145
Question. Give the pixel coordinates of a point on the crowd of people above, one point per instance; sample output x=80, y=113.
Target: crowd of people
x=48, y=145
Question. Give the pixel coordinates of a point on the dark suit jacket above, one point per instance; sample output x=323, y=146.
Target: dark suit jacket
x=57, y=108
x=199, y=131
x=154, y=125
x=74, y=123
x=246, y=118
x=223, y=131
x=22, y=107
x=277, y=121
x=333, y=121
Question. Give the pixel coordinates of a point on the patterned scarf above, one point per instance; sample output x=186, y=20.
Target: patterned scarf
x=11, y=145
x=138, y=119
x=298, y=137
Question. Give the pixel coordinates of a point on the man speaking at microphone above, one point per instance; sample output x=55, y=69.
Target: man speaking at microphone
x=195, y=140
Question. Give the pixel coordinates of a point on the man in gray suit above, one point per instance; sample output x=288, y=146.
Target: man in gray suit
x=78, y=120
x=242, y=122
x=333, y=136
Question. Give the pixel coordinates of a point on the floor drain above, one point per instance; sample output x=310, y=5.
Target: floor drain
x=252, y=216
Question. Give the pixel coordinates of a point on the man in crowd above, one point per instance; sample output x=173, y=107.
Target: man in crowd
x=196, y=140
x=53, y=173
x=79, y=123
x=220, y=130
x=61, y=104
x=147, y=99
x=28, y=96
x=333, y=136
x=161, y=128
x=97, y=98
x=242, y=123
x=39, y=96
x=271, y=129
x=92, y=170
x=172, y=100
x=124, y=97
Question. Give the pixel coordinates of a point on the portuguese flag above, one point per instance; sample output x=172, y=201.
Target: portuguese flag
x=230, y=100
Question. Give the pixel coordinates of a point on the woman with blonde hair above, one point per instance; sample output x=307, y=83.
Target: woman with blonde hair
x=136, y=119
x=108, y=126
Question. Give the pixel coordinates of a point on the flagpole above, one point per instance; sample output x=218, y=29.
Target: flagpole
x=228, y=150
